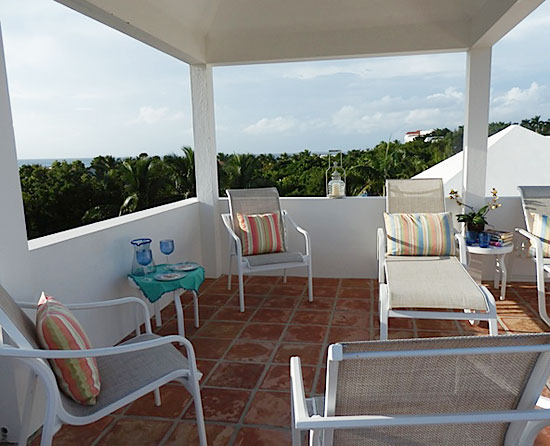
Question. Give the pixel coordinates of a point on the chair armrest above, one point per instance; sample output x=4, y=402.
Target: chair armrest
x=535, y=241
x=300, y=230
x=462, y=253
x=298, y=396
x=226, y=218
x=103, y=304
x=14, y=352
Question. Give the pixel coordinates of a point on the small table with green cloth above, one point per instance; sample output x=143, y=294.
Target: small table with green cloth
x=154, y=289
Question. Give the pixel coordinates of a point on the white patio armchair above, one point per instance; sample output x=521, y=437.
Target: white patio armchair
x=415, y=286
x=536, y=199
x=442, y=391
x=262, y=201
x=127, y=371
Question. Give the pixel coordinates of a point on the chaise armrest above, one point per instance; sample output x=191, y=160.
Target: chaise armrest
x=301, y=230
x=103, y=304
x=462, y=253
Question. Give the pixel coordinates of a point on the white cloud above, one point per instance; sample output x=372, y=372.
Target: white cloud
x=451, y=94
x=518, y=103
x=279, y=124
x=152, y=115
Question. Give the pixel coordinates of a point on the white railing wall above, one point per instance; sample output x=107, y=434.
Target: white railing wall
x=91, y=263
x=343, y=234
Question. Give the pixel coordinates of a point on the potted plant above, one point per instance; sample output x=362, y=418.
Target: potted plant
x=475, y=220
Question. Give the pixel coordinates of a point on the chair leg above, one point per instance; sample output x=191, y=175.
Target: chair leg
x=241, y=291
x=27, y=409
x=310, y=282
x=50, y=428
x=383, y=303
x=229, y=271
x=196, y=308
x=199, y=414
x=158, y=401
x=284, y=276
x=531, y=431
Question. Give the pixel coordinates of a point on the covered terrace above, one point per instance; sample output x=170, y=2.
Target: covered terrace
x=91, y=262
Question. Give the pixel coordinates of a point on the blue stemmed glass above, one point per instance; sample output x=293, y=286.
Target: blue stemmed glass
x=144, y=258
x=167, y=248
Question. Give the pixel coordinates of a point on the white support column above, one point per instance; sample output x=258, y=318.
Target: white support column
x=206, y=166
x=478, y=81
x=15, y=273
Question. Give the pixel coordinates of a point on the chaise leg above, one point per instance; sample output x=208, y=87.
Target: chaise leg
x=383, y=303
x=284, y=276
x=493, y=327
x=541, y=293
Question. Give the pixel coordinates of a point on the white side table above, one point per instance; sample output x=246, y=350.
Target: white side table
x=500, y=264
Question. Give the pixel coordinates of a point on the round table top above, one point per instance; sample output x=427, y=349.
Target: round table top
x=494, y=250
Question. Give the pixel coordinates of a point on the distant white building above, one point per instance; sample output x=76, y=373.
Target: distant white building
x=410, y=136
x=516, y=157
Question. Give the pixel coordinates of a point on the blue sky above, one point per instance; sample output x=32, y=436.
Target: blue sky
x=81, y=89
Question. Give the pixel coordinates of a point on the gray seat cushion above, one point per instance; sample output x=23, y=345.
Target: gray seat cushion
x=122, y=375
x=432, y=282
x=274, y=258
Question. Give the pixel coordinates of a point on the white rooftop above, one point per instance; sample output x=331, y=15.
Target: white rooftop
x=516, y=156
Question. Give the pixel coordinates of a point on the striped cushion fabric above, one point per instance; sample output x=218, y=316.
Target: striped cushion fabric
x=541, y=228
x=58, y=329
x=260, y=233
x=419, y=234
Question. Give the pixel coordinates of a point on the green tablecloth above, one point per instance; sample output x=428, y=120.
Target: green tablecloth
x=154, y=289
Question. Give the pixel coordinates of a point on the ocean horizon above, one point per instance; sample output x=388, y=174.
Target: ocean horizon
x=47, y=162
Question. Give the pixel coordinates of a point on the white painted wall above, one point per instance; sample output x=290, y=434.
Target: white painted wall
x=91, y=263
x=343, y=234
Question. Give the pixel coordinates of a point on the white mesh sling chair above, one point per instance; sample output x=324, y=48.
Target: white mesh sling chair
x=427, y=286
x=441, y=391
x=261, y=201
x=127, y=371
x=535, y=200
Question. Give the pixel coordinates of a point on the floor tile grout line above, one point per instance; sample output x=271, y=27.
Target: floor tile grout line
x=321, y=359
x=234, y=341
x=190, y=403
x=260, y=380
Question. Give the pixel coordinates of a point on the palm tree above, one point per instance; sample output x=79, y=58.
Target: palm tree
x=182, y=172
x=142, y=183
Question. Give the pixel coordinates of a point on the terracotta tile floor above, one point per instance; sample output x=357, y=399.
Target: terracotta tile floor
x=245, y=358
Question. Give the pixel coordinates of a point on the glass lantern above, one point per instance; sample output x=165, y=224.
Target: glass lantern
x=336, y=186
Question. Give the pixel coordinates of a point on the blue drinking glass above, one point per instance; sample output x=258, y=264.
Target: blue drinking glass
x=471, y=237
x=167, y=248
x=144, y=258
x=484, y=239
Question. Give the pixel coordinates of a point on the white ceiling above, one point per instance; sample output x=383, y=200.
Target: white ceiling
x=248, y=31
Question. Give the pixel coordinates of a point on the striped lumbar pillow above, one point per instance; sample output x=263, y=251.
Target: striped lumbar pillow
x=58, y=329
x=419, y=234
x=541, y=228
x=260, y=233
